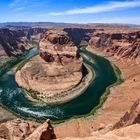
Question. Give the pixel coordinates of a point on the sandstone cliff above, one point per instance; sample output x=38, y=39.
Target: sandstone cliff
x=12, y=44
x=58, y=69
x=33, y=33
x=130, y=117
x=25, y=130
x=80, y=35
x=118, y=43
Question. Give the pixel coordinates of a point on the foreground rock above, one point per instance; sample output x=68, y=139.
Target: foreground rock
x=58, y=69
x=126, y=129
x=130, y=117
x=23, y=130
x=127, y=133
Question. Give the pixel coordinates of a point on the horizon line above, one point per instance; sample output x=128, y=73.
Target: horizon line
x=65, y=22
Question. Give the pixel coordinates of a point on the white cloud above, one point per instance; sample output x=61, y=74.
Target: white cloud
x=111, y=6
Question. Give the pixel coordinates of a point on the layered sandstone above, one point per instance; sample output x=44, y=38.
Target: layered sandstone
x=25, y=130
x=118, y=43
x=13, y=43
x=121, y=96
x=130, y=117
x=58, y=69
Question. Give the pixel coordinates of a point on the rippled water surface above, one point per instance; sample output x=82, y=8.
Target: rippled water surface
x=13, y=97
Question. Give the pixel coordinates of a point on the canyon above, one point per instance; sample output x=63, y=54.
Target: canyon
x=15, y=42
x=12, y=44
x=58, y=62
x=118, y=43
x=121, y=45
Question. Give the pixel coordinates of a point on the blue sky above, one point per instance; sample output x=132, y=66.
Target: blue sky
x=71, y=11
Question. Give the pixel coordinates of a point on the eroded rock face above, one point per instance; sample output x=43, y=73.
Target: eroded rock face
x=80, y=34
x=119, y=44
x=12, y=44
x=43, y=132
x=57, y=69
x=130, y=117
x=16, y=129
x=24, y=130
x=56, y=46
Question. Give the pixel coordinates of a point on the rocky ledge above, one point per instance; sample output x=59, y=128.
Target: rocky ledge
x=13, y=43
x=127, y=128
x=120, y=44
x=26, y=130
x=55, y=71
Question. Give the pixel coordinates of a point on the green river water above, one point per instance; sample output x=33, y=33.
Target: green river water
x=13, y=98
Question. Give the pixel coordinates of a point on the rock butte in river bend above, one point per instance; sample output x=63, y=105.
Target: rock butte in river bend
x=57, y=69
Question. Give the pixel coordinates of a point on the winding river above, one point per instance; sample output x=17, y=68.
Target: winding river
x=13, y=98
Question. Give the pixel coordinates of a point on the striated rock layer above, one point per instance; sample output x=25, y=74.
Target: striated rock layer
x=25, y=130
x=130, y=117
x=118, y=43
x=57, y=69
x=13, y=43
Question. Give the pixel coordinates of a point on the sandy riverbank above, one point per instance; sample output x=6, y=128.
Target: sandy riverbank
x=119, y=101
